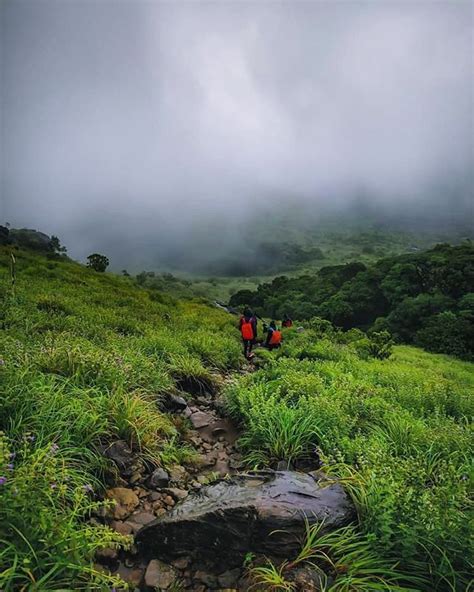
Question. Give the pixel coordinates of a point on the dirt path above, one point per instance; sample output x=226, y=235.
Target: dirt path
x=145, y=496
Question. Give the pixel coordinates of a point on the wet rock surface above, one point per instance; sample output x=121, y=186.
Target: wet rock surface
x=224, y=521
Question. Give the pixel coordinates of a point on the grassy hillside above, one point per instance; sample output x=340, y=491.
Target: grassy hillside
x=396, y=430
x=84, y=359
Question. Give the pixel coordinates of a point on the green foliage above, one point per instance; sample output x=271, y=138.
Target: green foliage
x=97, y=262
x=347, y=556
x=404, y=295
x=396, y=430
x=43, y=498
x=85, y=359
x=378, y=344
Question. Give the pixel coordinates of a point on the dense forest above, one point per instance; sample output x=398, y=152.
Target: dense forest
x=424, y=298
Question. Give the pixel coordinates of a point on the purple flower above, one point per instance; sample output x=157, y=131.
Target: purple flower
x=12, y=455
x=3, y=480
x=31, y=438
x=10, y=466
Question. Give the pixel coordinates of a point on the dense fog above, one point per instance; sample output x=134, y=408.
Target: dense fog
x=168, y=134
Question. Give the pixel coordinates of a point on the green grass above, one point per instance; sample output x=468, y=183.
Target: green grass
x=85, y=359
x=398, y=431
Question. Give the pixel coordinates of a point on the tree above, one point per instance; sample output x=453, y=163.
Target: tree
x=97, y=262
x=4, y=235
x=55, y=245
x=447, y=333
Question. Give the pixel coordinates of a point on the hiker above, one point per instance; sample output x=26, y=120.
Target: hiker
x=287, y=322
x=274, y=338
x=248, y=330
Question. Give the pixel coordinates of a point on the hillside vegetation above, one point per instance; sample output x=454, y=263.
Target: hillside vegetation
x=87, y=357
x=424, y=298
x=396, y=431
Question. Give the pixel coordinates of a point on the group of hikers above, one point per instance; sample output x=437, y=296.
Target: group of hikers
x=248, y=330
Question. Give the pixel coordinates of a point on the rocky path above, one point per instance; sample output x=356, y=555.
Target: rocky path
x=205, y=518
x=142, y=497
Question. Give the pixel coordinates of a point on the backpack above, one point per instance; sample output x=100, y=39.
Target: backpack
x=246, y=329
x=275, y=339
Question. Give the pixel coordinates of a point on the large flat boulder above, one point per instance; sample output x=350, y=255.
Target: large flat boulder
x=224, y=521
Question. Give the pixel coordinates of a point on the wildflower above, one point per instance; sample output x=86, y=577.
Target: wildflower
x=3, y=480
x=12, y=455
x=10, y=466
x=53, y=485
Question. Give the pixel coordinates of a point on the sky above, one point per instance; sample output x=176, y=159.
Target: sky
x=150, y=130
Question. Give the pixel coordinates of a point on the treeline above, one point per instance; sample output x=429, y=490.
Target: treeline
x=423, y=298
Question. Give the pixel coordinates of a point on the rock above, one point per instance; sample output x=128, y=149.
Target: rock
x=310, y=579
x=229, y=579
x=125, y=502
x=199, y=419
x=196, y=441
x=158, y=479
x=177, y=473
x=222, y=467
x=206, y=578
x=121, y=527
x=107, y=556
x=136, y=521
x=168, y=500
x=225, y=520
x=133, y=576
x=127, y=463
x=182, y=563
x=142, y=493
x=206, y=460
x=159, y=575
x=175, y=403
x=177, y=494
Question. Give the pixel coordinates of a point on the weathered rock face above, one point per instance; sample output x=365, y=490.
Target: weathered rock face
x=230, y=518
